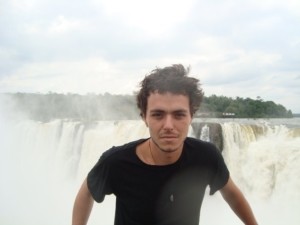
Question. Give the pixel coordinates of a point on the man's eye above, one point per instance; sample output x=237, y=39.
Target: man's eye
x=180, y=115
x=156, y=115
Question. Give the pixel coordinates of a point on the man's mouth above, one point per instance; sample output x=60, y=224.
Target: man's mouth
x=169, y=136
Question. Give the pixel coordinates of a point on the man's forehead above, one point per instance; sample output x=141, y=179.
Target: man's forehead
x=168, y=102
x=165, y=110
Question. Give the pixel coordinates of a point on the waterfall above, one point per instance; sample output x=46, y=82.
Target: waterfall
x=43, y=164
x=205, y=133
x=263, y=159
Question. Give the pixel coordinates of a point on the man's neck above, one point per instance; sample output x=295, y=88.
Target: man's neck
x=150, y=154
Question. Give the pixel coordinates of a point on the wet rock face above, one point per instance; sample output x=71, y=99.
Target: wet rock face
x=211, y=132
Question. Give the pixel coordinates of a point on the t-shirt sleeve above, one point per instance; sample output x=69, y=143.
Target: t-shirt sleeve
x=98, y=179
x=221, y=173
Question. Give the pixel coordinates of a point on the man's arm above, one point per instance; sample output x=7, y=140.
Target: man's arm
x=83, y=205
x=238, y=203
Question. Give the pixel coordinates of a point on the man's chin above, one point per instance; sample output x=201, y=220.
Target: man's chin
x=169, y=147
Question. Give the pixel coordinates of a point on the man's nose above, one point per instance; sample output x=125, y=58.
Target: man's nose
x=168, y=123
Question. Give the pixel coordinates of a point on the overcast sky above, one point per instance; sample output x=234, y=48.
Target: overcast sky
x=244, y=48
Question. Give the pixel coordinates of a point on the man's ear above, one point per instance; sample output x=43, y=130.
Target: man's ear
x=192, y=117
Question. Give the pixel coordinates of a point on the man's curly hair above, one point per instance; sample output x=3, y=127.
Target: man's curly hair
x=173, y=79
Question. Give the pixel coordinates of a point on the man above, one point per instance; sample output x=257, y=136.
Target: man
x=162, y=180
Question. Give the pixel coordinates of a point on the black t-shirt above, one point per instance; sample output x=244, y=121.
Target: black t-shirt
x=158, y=195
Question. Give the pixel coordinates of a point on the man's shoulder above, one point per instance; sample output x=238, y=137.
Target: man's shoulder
x=197, y=143
x=200, y=147
x=203, y=152
x=120, y=150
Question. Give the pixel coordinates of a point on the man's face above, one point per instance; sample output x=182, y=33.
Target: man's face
x=168, y=117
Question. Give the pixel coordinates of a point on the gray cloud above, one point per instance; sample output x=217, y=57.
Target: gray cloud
x=237, y=48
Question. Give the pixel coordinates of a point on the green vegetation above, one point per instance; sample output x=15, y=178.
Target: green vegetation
x=217, y=106
x=91, y=107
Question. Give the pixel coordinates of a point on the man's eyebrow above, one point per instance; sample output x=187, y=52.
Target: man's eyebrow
x=181, y=110
x=157, y=110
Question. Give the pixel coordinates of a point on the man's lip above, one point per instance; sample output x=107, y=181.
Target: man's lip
x=168, y=136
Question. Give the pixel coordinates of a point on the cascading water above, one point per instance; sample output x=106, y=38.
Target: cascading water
x=264, y=163
x=264, y=160
x=204, y=135
x=43, y=165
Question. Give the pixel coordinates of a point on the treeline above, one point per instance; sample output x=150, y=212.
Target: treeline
x=91, y=107
x=221, y=106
